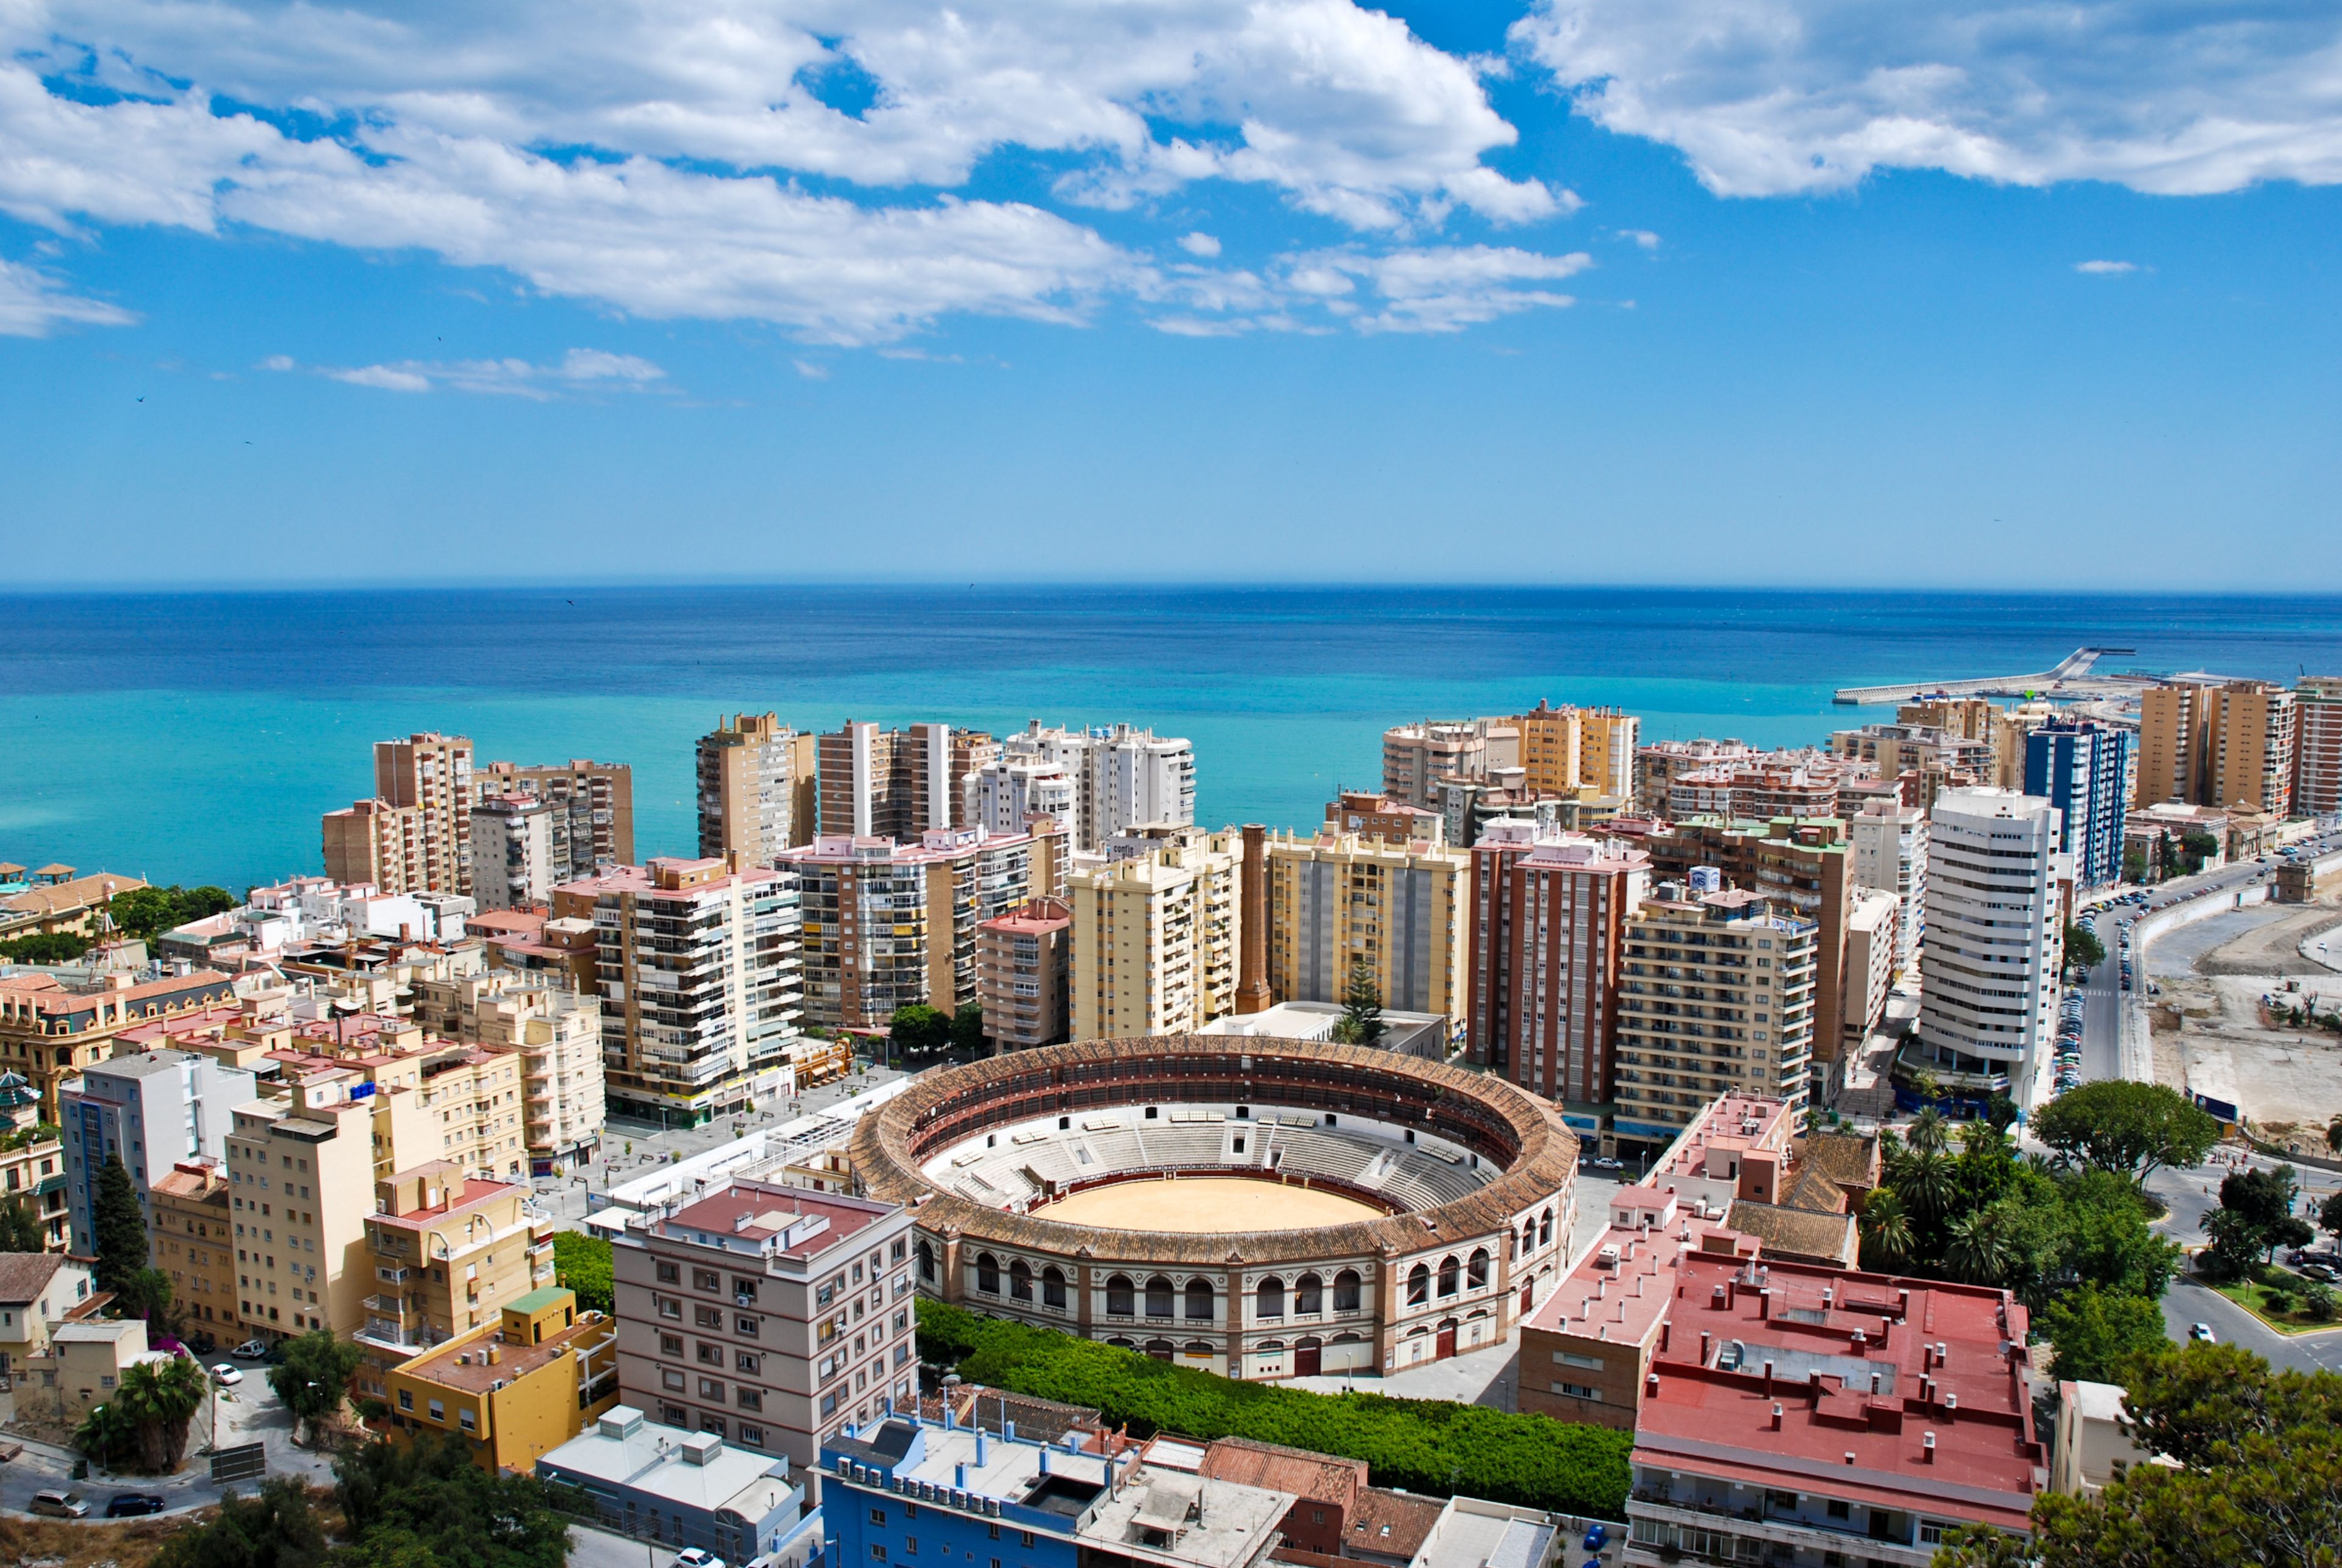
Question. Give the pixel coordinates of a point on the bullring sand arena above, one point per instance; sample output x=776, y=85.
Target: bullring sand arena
x=1203, y=1205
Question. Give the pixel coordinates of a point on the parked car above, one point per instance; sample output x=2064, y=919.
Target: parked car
x=227, y=1373
x=697, y=1557
x=60, y=1505
x=131, y=1504
x=250, y=1350
x=1609, y=1163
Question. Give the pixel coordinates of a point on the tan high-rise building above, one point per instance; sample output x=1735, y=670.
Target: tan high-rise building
x=2225, y=745
x=301, y=1185
x=1155, y=937
x=1341, y=899
x=1552, y=749
x=557, y=1035
x=374, y=843
x=432, y=1099
x=598, y=798
x=2318, y=750
x=432, y=773
x=890, y=925
x=448, y=1254
x=1418, y=757
x=1020, y=974
x=1717, y=997
x=1608, y=741
x=759, y=791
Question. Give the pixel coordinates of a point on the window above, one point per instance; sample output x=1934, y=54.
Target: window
x=406, y=1398
x=926, y=1260
x=710, y=1355
x=1419, y=1284
x=438, y=1411
x=1268, y=1298
x=705, y=1280
x=1025, y=1539
x=746, y=1326
x=753, y=1436
x=1345, y=1290
x=670, y=1344
x=670, y=1308
x=1477, y=1270
x=992, y=1532
x=743, y=1362
x=671, y=1379
x=670, y=1273
x=1840, y=1509
x=1119, y=1298
x=1053, y=1288
x=1199, y=1301
x=1020, y=1281
x=910, y=1547
x=749, y=1399
x=1158, y=1297
x=1933, y=1531
x=1579, y=1391
x=1593, y=1363
x=1451, y=1276
x=877, y=1517
x=743, y=1286
x=987, y=1274
x=464, y=1419
x=1309, y=1295
x=877, y=1552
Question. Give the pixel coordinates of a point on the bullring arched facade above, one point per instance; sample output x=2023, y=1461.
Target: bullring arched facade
x=1422, y=1282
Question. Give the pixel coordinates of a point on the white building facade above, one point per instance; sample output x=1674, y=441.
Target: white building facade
x=1995, y=945
x=1121, y=777
x=150, y=1111
x=1890, y=854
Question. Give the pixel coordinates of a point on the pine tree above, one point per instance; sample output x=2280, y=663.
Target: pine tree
x=1361, y=1023
x=121, y=1230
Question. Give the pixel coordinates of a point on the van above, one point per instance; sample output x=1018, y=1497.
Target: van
x=59, y=1505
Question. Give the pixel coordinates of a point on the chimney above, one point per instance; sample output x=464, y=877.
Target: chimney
x=1927, y=1448
x=1045, y=1459
x=959, y=1477
x=1252, y=936
x=1769, y=1377
x=1703, y=1347
x=983, y=1449
x=1651, y=1383
x=1776, y=1418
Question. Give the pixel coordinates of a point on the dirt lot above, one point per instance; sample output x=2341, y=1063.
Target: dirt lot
x=2209, y=1031
x=54, y=1542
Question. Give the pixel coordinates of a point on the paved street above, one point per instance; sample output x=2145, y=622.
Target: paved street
x=2196, y=1192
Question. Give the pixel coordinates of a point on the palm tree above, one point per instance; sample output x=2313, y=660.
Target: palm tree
x=1925, y=1184
x=1929, y=1134
x=1977, y=1249
x=1885, y=1231
x=102, y=1432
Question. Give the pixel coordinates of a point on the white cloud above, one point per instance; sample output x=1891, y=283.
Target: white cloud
x=1199, y=245
x=1450, y=289
x=1643, y=237
x=33, y=305
x=2105, y=269
x=1767, y=97
x=811, y=371
x=581, y=369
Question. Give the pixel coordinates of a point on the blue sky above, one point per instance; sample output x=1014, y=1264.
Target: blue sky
x=1787, y=291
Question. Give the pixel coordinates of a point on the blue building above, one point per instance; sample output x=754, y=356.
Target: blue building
x=904, y=1493
x=2086, y=769
x=689, y=1489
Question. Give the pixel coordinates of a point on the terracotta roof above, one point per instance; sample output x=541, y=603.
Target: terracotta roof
x=1392, y=1524
x=79, y=893
x=1815, y=1192
x=1850, y=1159
x=1317, y=1477
x=1798, y=1234
x=1502, y=1124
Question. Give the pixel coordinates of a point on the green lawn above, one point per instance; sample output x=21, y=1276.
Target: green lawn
x=2253, y=1296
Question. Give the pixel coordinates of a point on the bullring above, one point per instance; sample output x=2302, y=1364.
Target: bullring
x=1449, y=1195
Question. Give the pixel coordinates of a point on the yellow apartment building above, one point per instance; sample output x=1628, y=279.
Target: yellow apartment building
x=513, y=1389
x=2218, y=745
x=54, y=1024
x=192, y=1239
x=1338, y=899
x=33, y=1171
x=447, y=1253
x=1155, y=937
x=301, y=1179
x=557, y=1035
x=432, y=1099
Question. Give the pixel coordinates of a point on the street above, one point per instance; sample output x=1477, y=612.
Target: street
x=2192, y=1194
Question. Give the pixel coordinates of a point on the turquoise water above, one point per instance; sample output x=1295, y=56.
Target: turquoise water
x=197, y=738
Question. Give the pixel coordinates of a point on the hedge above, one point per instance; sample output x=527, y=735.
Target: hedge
x=1425, y=1445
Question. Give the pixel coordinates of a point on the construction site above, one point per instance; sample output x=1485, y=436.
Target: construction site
x=2235, y=1017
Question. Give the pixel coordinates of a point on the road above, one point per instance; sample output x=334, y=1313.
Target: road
x=2194, y=1194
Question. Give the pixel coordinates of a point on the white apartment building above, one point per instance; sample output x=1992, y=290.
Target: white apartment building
x=520, y=851
x=1988, y=972
x=1007, y=793
x=1122, y=778
x=1155, y=937
x=698, y=964
x=313, y=909
x=150, y=1111
x=769, y=1315
x=1890, y=854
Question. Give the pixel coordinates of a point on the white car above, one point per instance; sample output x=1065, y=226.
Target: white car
x=250, y=1350
x=2202, y=1333
x=227, y=1373
x=697, y=1557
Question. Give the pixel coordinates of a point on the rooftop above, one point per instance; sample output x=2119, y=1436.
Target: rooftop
x=25, y=1275
x=1861, y=1369
x=694, y=1469
x=1625, y=1282
x=1472, y=1533
x=463, y=1364
x=1730, y=1125
x=769, y=1220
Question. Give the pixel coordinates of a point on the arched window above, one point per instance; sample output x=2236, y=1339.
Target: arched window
x=1309, y=1295
x=927, y=1261
x=1120, y=1299
x=1199, y=1301
x=1160, y=1349
x=1158, y=1297
x=1053, y=1287
x=1476, y=1271
x=987, y=1274
x=1345, y=1290
x=1544, y=1228
x=1451, y=1276
x=1020, y=1281
x=1122, y=1344
x=1268, y=1298
x=1199, y=1347
x=1528, y=1234
x=1419, y=1284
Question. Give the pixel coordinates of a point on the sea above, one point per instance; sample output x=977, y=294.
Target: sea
x=196, y=738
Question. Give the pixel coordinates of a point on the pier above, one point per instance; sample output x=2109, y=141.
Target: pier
x=2073, y=666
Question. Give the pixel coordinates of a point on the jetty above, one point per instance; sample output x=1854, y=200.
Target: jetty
x=2074, y=666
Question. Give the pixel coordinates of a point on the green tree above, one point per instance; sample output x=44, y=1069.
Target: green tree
x=146, y=912
x=2097, y=1334
x=1979, y=1249
x=2083, y=946
x=582, y=1263
x=120, y=1231
x=276, y=1529
x=2234, y=1244
x=2265, y=1200
x=20, y=1228
x=967, y=1027
x=917, y=1029
x=2115, y=1124
x=45, y=947
x=106, y=1434
x=1929, y=1133
x=1886, y=1234
x=1361, y=1023
x=423, y=1504
x=158, y=1399
x=2329, y=1216
x=314, y=1375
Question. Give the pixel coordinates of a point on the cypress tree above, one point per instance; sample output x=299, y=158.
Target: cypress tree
x=121, y=1230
